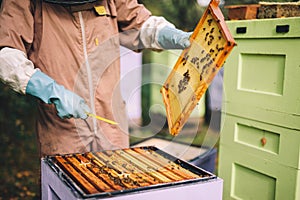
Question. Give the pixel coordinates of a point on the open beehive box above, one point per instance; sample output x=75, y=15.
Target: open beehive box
x=211, y=43
x=125, y=171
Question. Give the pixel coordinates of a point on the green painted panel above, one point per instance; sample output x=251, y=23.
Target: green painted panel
x=263, y=114
x=249, y=176
x=257, y=138
x=282, y=145
x=261, y=73
x=251, y=184
x=262, y=101
x=265, y=28
x=261, y=76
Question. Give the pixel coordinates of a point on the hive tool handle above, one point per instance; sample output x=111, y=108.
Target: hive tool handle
x=101, y=118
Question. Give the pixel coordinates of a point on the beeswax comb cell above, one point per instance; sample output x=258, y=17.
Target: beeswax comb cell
x=211, y=43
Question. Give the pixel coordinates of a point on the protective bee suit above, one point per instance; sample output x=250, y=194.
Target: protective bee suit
x=66, y=53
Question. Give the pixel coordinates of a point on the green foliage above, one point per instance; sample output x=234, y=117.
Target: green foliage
x=19, y=163
x=183, y=14
x=241, y=2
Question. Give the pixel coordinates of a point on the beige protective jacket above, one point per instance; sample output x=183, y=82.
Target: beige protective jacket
x=79, y=50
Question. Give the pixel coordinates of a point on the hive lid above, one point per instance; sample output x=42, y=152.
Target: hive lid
x=211, y=43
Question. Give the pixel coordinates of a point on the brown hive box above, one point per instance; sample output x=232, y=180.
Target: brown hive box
x=211, y=43
x=278, y=9
x=242, y=12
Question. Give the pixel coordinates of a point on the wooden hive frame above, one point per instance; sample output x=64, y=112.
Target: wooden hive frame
x=121, y=170
x=211, y=43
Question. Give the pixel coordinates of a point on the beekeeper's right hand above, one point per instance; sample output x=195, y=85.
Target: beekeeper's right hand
x=67, y=103
x=18, y=72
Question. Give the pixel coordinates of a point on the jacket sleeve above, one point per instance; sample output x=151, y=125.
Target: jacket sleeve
x=15, y=69
x=16, y=36
x=16, y=24
x=131, y=16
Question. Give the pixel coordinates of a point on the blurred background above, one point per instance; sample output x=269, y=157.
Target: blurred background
x=19, y=166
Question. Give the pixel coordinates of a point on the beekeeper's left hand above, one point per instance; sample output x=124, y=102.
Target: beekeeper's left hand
x=173, y=38
x=159, y=34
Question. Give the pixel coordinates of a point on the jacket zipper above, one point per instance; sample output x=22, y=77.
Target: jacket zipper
x=88, y=69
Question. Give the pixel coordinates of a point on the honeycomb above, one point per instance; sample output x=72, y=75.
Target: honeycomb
x=211, y=43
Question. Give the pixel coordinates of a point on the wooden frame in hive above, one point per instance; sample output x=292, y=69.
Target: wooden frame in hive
x=105, y=174
x=211, y=43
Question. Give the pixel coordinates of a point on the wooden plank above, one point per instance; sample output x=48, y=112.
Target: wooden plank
x=101, y=180
x=88, y=175
x=76, y=176
x=129, y=179
x=135, y=170
x=153, y=165
x=103, y=172
x=152, y=172
x=168, y=164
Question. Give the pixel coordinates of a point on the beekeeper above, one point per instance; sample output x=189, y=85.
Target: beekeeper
x=66, y=53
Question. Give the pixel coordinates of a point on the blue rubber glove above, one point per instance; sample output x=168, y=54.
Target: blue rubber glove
x=172, y=38
x=67, y=103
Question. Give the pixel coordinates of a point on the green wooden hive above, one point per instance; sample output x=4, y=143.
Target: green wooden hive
x=260, y=138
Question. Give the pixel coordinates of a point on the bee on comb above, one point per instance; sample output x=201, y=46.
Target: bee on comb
x=211, y=43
